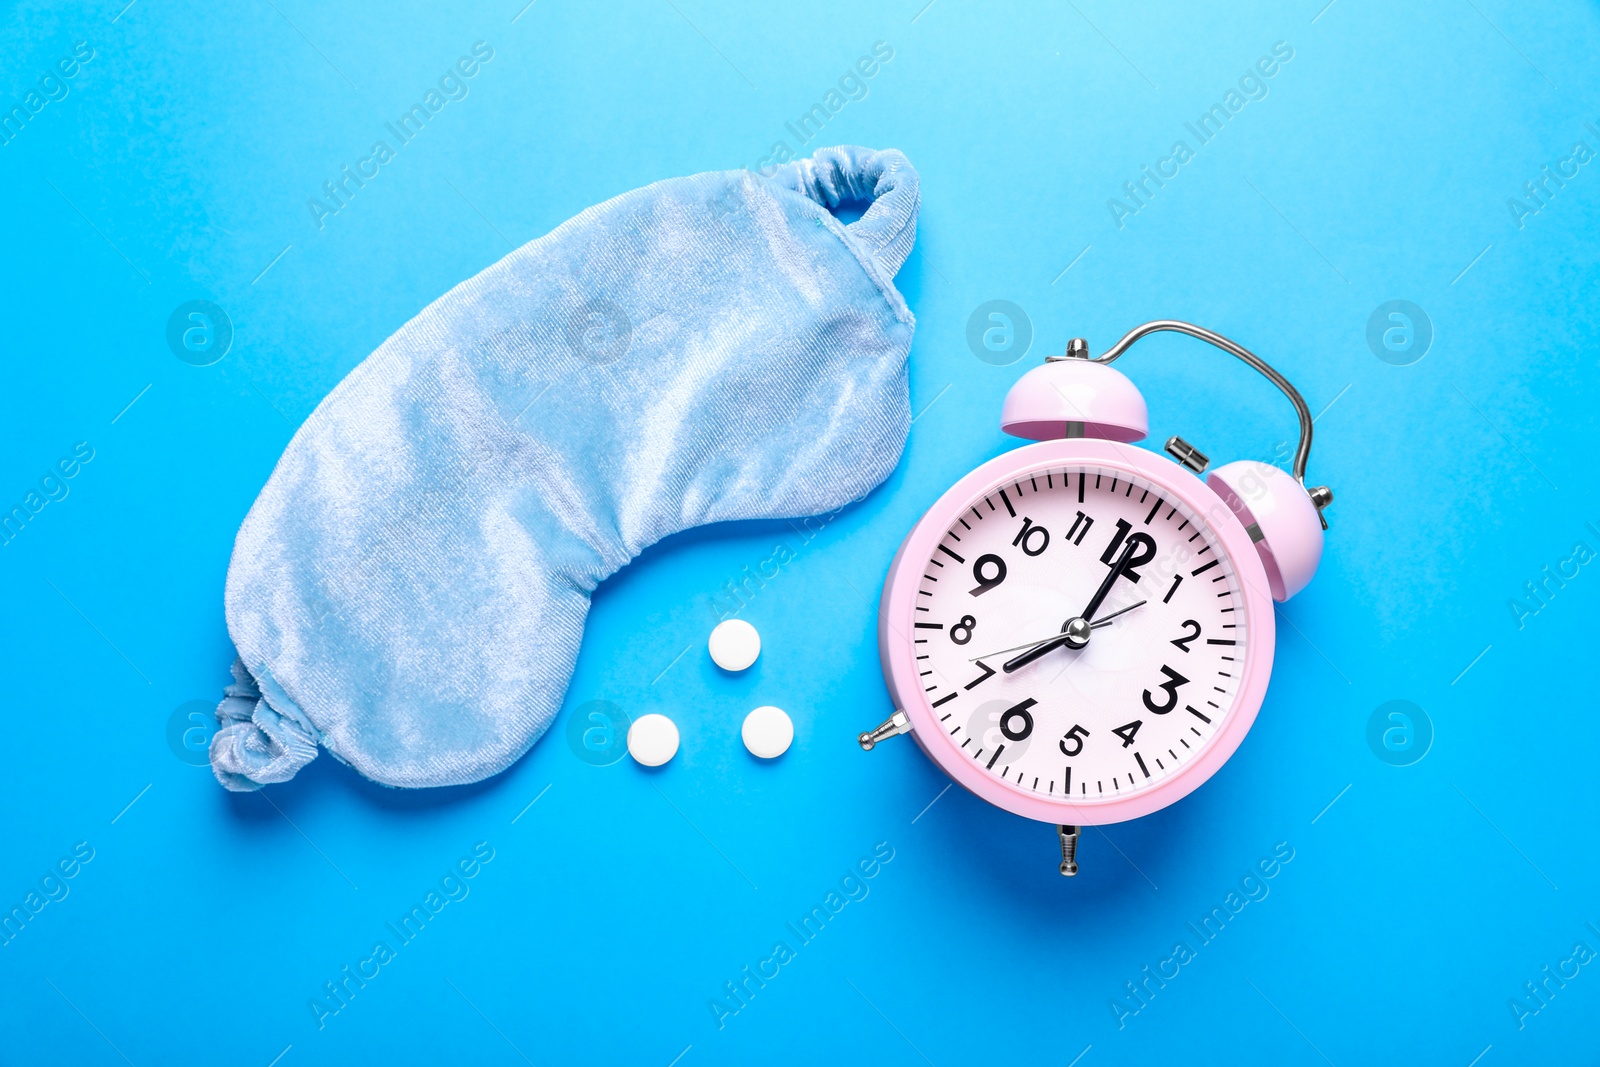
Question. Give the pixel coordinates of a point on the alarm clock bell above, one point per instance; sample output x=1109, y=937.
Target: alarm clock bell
x=1074, y=396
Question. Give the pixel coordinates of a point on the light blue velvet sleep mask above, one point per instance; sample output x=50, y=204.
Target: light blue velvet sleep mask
x=409, y=589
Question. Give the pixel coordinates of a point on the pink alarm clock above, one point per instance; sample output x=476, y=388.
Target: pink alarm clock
x=1080, y=631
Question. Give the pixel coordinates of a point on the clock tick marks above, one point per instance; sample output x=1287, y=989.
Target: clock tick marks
x=1012, y=610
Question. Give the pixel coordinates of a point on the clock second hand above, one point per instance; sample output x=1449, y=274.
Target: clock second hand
x=1103, y=621
x=1075, y=633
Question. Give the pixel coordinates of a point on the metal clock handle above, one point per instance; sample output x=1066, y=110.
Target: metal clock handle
x=1321, y=495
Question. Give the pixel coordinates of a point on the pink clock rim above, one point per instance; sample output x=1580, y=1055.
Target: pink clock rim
x=897, y=650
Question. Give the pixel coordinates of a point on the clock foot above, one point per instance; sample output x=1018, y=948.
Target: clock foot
x=1069, y=850
x=898, y=723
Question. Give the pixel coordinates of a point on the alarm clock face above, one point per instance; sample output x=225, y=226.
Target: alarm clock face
x=1164, y=672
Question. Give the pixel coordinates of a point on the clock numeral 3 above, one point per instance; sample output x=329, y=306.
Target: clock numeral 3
x=1170, y=688
x=1075, y=736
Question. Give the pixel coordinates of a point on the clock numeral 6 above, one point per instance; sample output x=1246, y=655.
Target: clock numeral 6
x=1169, y=687
x=966, y=624
x=1015, y=722
x=989, y=570
x=1075, y=736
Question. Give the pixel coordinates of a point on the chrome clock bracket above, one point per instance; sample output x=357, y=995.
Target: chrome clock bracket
x=1321, y=495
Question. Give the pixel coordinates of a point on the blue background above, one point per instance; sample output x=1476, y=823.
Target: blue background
x=1378, y=167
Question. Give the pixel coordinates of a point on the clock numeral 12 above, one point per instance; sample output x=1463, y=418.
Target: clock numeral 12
x=1141, y=555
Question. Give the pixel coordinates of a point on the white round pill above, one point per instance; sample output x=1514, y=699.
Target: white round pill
x=767, y=732
x=734, y=645
x=653, y=739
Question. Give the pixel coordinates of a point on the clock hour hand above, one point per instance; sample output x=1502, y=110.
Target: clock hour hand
x=1075, y=633
x=1104, y=620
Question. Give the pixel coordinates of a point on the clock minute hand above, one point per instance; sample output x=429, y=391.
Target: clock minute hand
x=1111, y=580
x=1075, y=634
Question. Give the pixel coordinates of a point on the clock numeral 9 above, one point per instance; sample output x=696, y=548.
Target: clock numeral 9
x=1170, y=688
x=1075, y=736
x=1015, y=722
x=966, y=624
x=989, y=570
